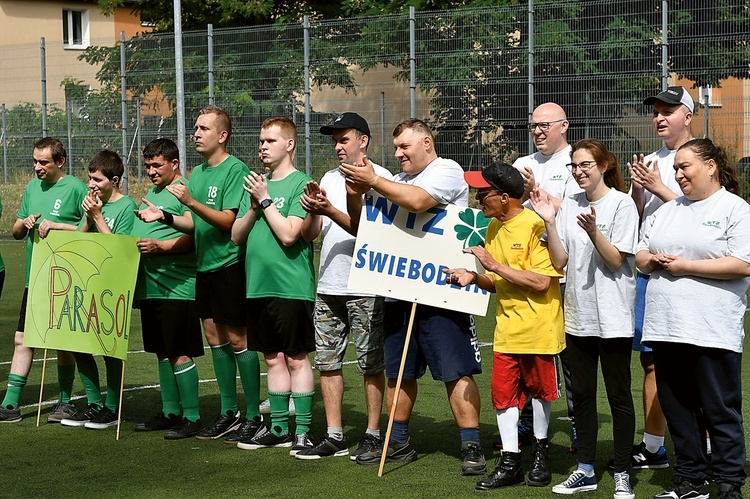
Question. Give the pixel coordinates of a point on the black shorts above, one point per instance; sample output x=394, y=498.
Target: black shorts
x=171, y=328
x=280, y=325
x=443, y=340
x=22, y=313
x=220, y=295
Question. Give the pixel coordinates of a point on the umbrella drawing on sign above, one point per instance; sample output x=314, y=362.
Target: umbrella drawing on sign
x=76, y=263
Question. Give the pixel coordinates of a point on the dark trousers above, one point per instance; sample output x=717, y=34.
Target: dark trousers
x=584, y=354
x=700, y=389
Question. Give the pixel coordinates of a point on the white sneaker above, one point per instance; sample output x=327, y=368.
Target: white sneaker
x=265, y=407
x=578, y=481
x=623, y=490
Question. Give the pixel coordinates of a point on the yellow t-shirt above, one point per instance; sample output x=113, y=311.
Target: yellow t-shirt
x=527, y=321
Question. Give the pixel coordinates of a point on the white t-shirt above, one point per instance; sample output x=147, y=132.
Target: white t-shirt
x=696, y=310
x=443, y=179
x=665, y=160
x=599, y=302
x=337, y=245
x=551, y=173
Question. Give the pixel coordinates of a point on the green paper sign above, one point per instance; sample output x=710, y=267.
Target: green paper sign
x=81, y=292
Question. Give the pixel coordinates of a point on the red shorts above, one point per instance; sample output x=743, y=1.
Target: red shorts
x=515, y=377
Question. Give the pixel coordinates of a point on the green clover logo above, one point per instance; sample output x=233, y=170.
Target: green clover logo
x=473, y=229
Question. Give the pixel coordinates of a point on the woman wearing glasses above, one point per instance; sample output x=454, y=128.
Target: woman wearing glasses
x=595, y=233
x=697, y=250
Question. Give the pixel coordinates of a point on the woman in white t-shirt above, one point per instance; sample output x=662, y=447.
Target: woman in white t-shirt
x=594, y=234
x=697, y=250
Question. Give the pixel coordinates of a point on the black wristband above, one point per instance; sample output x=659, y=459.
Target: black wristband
x=168, y=218
x=476, y=277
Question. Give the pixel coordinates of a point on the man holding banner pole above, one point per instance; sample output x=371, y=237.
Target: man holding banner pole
x=443, y=340
x=52, y=201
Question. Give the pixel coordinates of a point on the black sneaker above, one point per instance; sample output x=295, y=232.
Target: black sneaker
x=104, y=419
x=221, y=427
x=265, y=439
x=302, y=441
x=643, y=459
x=187, y=429
x=160, y=422
x=729, y=491
x=81, y=418
x=326, y=447
x=685, y=489
x=472, y=459
x=247, y=430
x=396, y=453
x=368, y=443
x=8, y=415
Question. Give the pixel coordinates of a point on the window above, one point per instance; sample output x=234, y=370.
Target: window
x=707, y=93
x=75, y=29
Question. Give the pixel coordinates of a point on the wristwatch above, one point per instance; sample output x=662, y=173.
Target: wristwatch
x=265, y=204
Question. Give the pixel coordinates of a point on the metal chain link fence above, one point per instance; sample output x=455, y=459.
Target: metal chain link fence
x=473, y=74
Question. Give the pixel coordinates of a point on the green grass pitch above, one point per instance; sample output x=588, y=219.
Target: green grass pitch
x=55, y=461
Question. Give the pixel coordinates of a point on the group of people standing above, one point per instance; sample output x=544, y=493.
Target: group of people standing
x=668, y=262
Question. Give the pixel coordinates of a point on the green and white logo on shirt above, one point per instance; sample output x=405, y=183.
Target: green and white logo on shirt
x=712, y=223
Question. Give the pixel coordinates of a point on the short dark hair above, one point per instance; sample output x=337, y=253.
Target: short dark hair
x=161, y=147
x=413, y=124
x=108, y=162
x=55, y=146
x=705, y=149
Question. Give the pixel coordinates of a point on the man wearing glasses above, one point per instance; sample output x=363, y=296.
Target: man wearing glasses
x=547, y=167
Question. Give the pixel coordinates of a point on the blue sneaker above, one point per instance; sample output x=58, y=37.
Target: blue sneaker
x=643, y=459
x=578, y=481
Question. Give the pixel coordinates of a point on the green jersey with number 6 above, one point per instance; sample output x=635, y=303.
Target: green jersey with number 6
x=59, y=202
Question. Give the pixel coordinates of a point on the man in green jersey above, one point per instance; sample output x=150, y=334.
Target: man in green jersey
x=213, y=197
x=108, y=211
x=280, y=285
x=165, y=291
x=52, y=201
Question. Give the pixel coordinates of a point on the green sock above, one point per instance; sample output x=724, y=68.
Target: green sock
x=16, y=382
x=65, y=377
x=186, y=377
x=303, y=403
x=279, y=412
x=225, y=367
x=170, y=394
x=249, y=368
x=114, y=379
x=89, y=373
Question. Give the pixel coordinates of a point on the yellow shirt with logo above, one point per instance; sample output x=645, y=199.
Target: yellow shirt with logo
x=528, y=322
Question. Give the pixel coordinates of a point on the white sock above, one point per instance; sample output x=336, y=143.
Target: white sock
x=541, y=410
x=708, y=445
x=507, y=425
x=653, y=443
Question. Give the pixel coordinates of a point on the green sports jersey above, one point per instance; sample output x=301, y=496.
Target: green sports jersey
x=169, y=276
x=59, y=202
x=272, y=269
x=119, y=216
x=220, y=188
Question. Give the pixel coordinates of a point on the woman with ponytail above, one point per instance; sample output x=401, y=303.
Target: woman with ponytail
x=595, y=234
x=697, y=250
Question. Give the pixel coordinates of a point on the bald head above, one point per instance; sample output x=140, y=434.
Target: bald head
x=549, y=138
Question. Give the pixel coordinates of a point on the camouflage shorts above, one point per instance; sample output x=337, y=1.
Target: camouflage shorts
x=335, y=318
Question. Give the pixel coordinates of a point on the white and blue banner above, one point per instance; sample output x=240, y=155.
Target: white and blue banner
x=400, y=254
